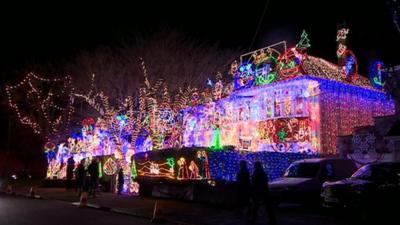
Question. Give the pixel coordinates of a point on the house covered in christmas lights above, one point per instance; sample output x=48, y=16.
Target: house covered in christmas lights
x=281, y=105
x=302, y=112
x=288, y=102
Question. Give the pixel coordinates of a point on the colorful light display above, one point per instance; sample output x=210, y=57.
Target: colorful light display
x=154, y=169
x=260, y=68
x=298, y=105
x=282, y=105
x=190, y=164
x=378, y=75
x=110, y=167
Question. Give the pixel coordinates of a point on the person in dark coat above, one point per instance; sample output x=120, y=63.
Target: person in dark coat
x=243, y=188
x=93, y=171
x=260, y=194
x=70, y=171
x=80, y=176
x=120, y=180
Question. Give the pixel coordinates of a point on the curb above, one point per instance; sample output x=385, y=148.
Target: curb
x=127, y=213
x=109, y=209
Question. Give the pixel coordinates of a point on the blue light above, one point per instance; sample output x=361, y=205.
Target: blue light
x=76, y=135
x=209, y=82
x=224, y=165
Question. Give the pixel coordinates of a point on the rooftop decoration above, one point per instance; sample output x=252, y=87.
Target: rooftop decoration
x=275, y=63
x=378, y=75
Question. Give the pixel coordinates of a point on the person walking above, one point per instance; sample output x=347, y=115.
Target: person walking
x=80, y=176
x=243, y=188
x=93, y=171
x=120, y=180
x=260, y=194
x=70, y=171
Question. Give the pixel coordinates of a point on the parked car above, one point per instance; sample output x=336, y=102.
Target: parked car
x=303, y=179
x=374, y=185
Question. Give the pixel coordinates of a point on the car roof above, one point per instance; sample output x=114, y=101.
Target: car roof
x=318, y=160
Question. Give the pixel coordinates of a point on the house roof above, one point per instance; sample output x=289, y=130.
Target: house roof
x=319, y=67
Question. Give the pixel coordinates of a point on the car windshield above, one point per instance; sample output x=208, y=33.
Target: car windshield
x=304, y=170
x=378, y=172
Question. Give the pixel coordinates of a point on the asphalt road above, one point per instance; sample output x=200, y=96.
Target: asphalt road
x=16, y=210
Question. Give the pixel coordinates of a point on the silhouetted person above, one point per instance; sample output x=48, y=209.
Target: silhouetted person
x=93, y=171
x=80, y=176
x=260, y=194
x=120, y=180
x=70, y=171
x=243, y=188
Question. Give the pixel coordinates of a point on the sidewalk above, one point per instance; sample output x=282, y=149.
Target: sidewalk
x=173, y=211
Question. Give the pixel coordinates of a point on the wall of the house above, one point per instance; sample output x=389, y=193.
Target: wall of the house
x=344, y=107
x=281, y=117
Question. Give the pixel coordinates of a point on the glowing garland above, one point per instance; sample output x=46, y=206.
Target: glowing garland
x=44, y=102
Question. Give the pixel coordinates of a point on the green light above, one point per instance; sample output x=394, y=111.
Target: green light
x=378, y=82
x=100, y=170
x=260, y=80
x=282, y=135
x=292, y=64
x=282, y=65
x=133, y=170
x=171, y=162
x=304, y=42
x=217, y=140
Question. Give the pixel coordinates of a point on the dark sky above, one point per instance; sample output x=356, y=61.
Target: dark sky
x=51, y=32
x=34, y=32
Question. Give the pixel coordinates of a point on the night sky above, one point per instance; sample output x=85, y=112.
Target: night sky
x=38, y=33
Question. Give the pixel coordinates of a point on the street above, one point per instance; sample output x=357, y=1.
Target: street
x=15, y=210
x=60, y=207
